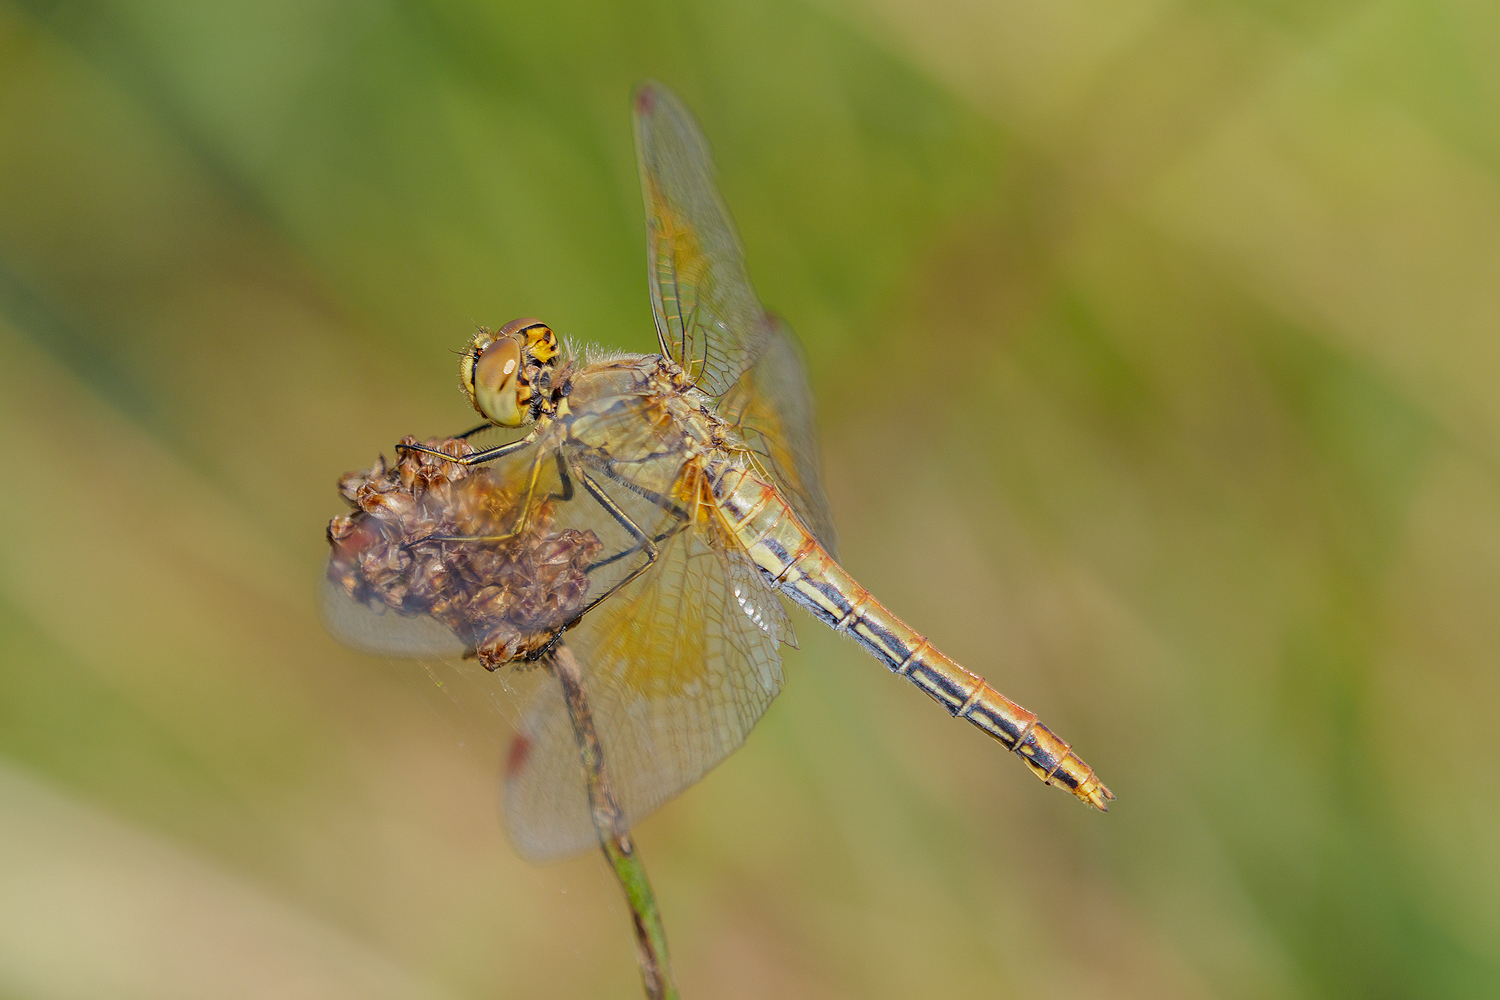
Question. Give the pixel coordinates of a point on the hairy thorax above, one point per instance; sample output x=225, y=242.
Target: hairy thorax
x=641, y=408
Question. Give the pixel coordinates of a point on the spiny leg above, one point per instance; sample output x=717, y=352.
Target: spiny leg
x=680, y=517
x=524, y=517
x=651, y=495
x=478, y=457
x=656, y=539
x=565, y=481
x=644, y=543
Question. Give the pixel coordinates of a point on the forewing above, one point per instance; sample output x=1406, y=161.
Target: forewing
x=678, y=666
x=708, y=318
x=771, y=406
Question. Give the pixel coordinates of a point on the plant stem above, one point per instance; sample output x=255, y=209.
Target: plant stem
x=614, y=836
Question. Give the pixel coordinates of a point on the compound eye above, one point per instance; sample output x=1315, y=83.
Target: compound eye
x=496, y=373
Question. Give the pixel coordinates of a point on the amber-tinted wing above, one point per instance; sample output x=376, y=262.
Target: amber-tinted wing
x=679, y=660
x=708, y=318
x=772, y=408
x=678, y=666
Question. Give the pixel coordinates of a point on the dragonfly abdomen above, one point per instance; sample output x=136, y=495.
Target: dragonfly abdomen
x=796, y=564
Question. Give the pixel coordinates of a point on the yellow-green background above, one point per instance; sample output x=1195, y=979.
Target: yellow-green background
x=1156, y=346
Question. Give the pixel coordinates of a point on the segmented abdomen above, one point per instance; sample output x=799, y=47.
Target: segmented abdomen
x=754, y=511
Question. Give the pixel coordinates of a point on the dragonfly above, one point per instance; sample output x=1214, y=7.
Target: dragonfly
x=647, y=510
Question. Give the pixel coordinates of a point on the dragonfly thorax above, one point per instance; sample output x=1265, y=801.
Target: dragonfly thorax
x=508, y=373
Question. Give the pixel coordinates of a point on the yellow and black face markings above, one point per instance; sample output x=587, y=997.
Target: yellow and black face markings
x=502, y=371
x=541, y=342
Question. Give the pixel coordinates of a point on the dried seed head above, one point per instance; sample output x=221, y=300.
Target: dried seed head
x=433, y=537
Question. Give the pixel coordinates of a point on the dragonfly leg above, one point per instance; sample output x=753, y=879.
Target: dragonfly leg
x=524, y=517
x=644, y=543
x=567, y=493
x=678, y=513
x=474, y=430
x=651, y=495
x=656, y=539
x=478, y=457
x=565, y=479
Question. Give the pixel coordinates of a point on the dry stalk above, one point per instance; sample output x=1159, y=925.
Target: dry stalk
x=614, y=836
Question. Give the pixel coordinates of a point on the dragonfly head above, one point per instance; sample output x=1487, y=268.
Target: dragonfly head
x=506, y=373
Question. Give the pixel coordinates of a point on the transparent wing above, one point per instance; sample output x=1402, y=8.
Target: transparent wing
x=772, y=407
x=678, y=666
x=442, y=559
x=708, y=318
x=372, y=627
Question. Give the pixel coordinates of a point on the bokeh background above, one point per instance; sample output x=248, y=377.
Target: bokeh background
x=1156, y=347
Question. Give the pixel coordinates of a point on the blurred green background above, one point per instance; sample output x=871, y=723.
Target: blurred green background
x=1156, y=348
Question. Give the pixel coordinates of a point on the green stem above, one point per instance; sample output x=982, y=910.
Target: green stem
x=614, y=836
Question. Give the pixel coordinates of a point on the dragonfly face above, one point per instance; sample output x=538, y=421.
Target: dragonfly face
x=648, y=516
x=508, y=374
